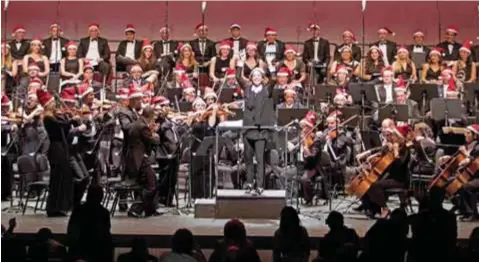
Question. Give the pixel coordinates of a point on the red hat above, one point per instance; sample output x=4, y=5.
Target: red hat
x=238, y=92
x=451, y=87
x=447, y=73
x=130, y=28
x=134, y=92
x=183, y=45
x=36, y=40
x=386, y=30
x=436, y=51
x=87, y=65
x=44, y=97
x=230, y=73
x=342, y=69
x=309, y=119
x=209, y=93
x=55, y=25
x=290, y=89
x=284, y=71
x=179, y=69
x=136, y=67
x=71, y=44
x=5, y=44
x=312, y=26
x=164, y=29
x=147, y=90
x=402, y=48
x=225, y=44
x=418, y=33
x=18, y=29
x=198, y=101
x=160, y=100
x=400, y=85
x=402, y=130
x=33, y=66
x=345, y=48
x=200, y=26
x=234, y=25
x=289, y=49
x=375, y=47
x=68, y=94
x=474, y=128
x=334, y=116
x=85, y=89
x=387, y=70
x=466, y=46
x=269, y=31
x=122, y=93
x=251, y=45
x=349, y=32
x=93, y=26
x=453, y=29
x=5, y=101
x=187, y=85
x=37, y=82
x=146, y=44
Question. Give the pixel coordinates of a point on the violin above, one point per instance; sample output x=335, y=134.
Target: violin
x=220, y=112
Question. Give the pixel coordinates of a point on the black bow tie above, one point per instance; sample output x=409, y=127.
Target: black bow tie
x=54, y=39
x=93, y=39
x=129, y=41
x=270, y=43
x=166, y=41
x=202, y=41
x=316, y=40
x=382, y=42
x=418, y=46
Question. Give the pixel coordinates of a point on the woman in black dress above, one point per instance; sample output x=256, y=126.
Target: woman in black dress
x=250, y=61
x=465, y=68
x=220, y=63
x=71, y=67
x=404, y=66
x=35, y=56
x=371, y=69
x=431, y=71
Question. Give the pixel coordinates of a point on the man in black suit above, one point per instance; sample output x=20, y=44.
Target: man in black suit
x=401, y=99
x=142, y=139
x=258, y=111
x=19, y=46
x=271, y=50
x=54, y=47
x=450, y=46
x=95, y=50
x=128, y=51
x=387, y=47
x=165, y=49
x=316, y=53
x=418, y=48
x=239, y=43
x=350, y=40
x=203, y=48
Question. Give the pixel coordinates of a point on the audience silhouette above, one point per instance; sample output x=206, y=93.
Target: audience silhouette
x=291, y=240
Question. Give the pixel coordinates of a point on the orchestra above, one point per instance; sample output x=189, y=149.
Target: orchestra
x=176, y=95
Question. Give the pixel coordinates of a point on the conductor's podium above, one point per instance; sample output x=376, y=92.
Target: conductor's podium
x=231, y=203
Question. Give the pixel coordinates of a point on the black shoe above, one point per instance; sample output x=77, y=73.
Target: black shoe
x=56, y=214
x=133, y=214
x=249, y=189
x=123, y=207
x=470, y=218
x=259, y=190
x=359, y=208
x=154, y=214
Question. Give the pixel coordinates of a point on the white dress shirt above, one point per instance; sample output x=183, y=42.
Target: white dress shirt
x=418, y=49
x=316, y=49
x=389, y=93
x=166, y=48
x=18, y=45
x=257, y=89
x=56, y=54
x=236, y=46
x=384, y=49
x=93, y=54
x=450, y=47
x=130, y=50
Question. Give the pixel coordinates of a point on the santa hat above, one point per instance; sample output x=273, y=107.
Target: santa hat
x=230, y=73
x=44, y=97
x=225, y=44
x=312, y=26
x=164, y=29
x=198, y=101
x=179, y=69
x=5, y=44
x=400, y=85
x=55, y=25
x=436, y=51
x=402, y=131
x=374, y=47
x=5, y=101
x=269, y=31
x=122, y=93
x=36, y=81
x=238, y=92
x=388, y=70
x=36, y=40
x=71, y=44
x=33, y=66
x=32, y=94
x=69, y=82
x=341, y=69
x=290, y=89
x=451, y=87
x=447, y=73
x=93, y=26
x=147, y=90
x=452, y=29
x=290, y=49
x=251, y=45
x=209, y=93
x=136, y=67
x=339, y=97
x=386, y=30
x=350, y=33
x=345, y=48
x=418, y=33
x=200, y=26
x=466, y=46
x=85, y=89
x=134, y=92
x=87, y=65
x=188, y=87
x=130, y=28
x=234, y=25
x=68, y=94
x=18, y=29
x=309, y=119
x=160, y=101
x=474, y=128
x=402, y=48
x=183, y=45
x=146, y=44
x=334, y=116
x=284, y=71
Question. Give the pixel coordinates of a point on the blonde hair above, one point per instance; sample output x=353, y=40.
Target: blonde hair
x=7, y=61
x=191, y=60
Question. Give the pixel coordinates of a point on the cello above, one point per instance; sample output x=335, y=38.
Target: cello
x=463, y=176
x=450, y=167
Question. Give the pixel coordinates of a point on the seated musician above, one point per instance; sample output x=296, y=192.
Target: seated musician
x=371, y=68
x=404, y=66
x=402, y=99
x=340, y=78
x=187, y=60
x=396, y=175
x=282, y=78
x=231, y=79
x=422, y=162
x=189, y=94
x=290, y=98
x=349, y=40
x=211, y=100
x=35, y=83
x=418, y=47
x=464, y=68
x=385, y=90
x=346, y=59
x=221, y=62
x=33, y=71
x=136, y=78
x=178, y=72
x=309, y=150
x=128, y=50
x=88, y=74
x=148, y=63
x=432, y=69
x=295, y=65
x=71, y=67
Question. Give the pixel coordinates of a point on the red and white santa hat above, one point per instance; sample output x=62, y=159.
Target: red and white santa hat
x=134, y=92
x=474, y=128
x=147, y=90
x=122, y=93
x=230, y=73
x=284, y=71
x=234, y=25
x=269, y=31
x=5, y=44
x=188, y=87
x=436, y=51
x=71, y=44
x=451, y=87
x=290, y=90
x=36, y=40
x=346, y=48
x=452, y=29
x=85, y=89
x=35, y=83
x=198, y=101
x=251, y=45
x=341, y=69
x=402, y=131
x=386, y=30
x=87, y=65
x=225, y=44
x=375, y=47
x=289, y=49
x=209, y=93
x=53, y=25
x=179, y=69
x=200, y=26
x=5, y=101
x=181, y=46
x=32, y=94
x=334, y=116
x=146, y=44
x=92, y=26
x=350, y=33
x=159, y=101
x=402, y=49
x=44, y=97
x=70, y=82
x=164, y=29
x=130, y=28
x=400, y=86
x=136, y=68
x=447, y=73
x=309, y=119
x=418, y=33
x=68, y=94
x=18, y=29
x=312, y=26
x=388, y=70
x=339, y=97
x=466, y=46
x=33, y=66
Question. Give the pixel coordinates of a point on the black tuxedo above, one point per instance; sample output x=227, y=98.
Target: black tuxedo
x=47, y=46
x=103, y=48
x=280, y=46
x=158, y=47
x=455, y=51
x=210, y=50
x=391, y=48
x=242, y=42
x=425, y=49
x=323, y=51
x=475, y=53
x=356, y=52
x=121, y=51
x=22, y=51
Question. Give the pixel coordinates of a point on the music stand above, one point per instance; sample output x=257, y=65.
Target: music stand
x=371, y=139
x=395, y=112
x=444, y=109
x=286, y=115
x=185, y=106
x=226, y=95
x=422, y=93
x=350, y=111
x=362, y=91
x=238, y=114
x=323, y=93
x=472, y=93
x=171, y=93
x=278, y=95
